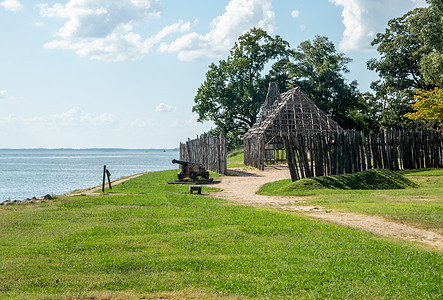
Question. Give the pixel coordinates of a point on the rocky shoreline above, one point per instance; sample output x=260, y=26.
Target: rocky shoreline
x=28, y=200
x=88, y=191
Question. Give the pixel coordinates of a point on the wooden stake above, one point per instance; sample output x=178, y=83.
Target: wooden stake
x=109, y=179
x=104, y=178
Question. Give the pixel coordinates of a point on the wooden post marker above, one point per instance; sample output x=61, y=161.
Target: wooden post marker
x=104, y=178
x=109, y=178
x=106, y=172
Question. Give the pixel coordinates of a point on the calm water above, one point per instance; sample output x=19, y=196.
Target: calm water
x=28, y=173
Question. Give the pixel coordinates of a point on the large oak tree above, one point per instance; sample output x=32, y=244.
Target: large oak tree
x=319, y=69
x=411, y=57
x=234, y=89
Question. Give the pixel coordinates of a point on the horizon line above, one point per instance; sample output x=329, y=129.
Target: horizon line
x=92, y=148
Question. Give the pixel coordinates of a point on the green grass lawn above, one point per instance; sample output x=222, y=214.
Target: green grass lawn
x=235, y=159
x=412, y=197
x=159, y=241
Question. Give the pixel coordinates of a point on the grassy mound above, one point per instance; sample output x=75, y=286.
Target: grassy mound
x=236, y=153
x=368, y=180
x=235, y=159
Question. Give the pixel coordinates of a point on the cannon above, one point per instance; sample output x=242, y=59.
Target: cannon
x=191, y=170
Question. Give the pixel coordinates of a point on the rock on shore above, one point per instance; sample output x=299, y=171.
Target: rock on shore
x=27, y=200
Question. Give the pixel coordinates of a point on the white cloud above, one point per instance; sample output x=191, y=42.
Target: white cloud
x=76, y=118
x=191, y=123
x=162, y=107
x=142, y=123
x=295, y=14
x=363, y=19
x=239, y=17
x=3, y=94
x=12, y=5
x=103, y=29
x=99, y=18
x=73, y=118
x=179, y=26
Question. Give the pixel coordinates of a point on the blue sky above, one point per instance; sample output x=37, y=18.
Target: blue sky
x=124, y=73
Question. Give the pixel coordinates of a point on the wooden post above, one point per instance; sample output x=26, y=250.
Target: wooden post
x=290, y=155
x=109, y=179
x=104, y=178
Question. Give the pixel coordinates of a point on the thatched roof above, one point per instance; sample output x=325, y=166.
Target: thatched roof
x=291, y=111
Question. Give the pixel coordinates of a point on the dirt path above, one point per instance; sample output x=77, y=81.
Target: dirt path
x=241, y=187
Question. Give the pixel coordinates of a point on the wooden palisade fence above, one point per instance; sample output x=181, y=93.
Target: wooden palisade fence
x=207, y=150
x=254, y=152
x=332, y=153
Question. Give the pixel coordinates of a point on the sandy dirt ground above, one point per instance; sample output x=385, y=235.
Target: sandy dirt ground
x=241, y=187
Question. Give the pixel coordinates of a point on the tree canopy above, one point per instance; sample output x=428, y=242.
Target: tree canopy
x=428, y=107
x=411, y=58
x=318, y=68
x=409, y=47
x=235, y=88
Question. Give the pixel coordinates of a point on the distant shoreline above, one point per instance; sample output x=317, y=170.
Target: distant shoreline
x=26, y=173
x=77, y=192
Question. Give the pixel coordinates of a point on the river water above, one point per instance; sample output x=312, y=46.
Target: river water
x=26, y=173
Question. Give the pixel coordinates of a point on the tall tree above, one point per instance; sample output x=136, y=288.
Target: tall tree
x=411, y=57
x=428, y=107
x=428, y=25
x=318, y=68
x=234, y=89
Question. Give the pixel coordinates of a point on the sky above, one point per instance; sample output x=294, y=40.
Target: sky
x=124, y=73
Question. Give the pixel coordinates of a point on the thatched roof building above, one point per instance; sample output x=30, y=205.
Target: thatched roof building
x=292, y=113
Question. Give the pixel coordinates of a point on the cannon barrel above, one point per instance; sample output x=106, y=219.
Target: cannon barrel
x=181, y=162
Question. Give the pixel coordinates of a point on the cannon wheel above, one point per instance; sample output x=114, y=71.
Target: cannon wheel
x=205, y=175
x=179, y=176
x=193, y=175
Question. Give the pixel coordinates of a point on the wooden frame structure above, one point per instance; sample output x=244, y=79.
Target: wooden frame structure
x=290, y=113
